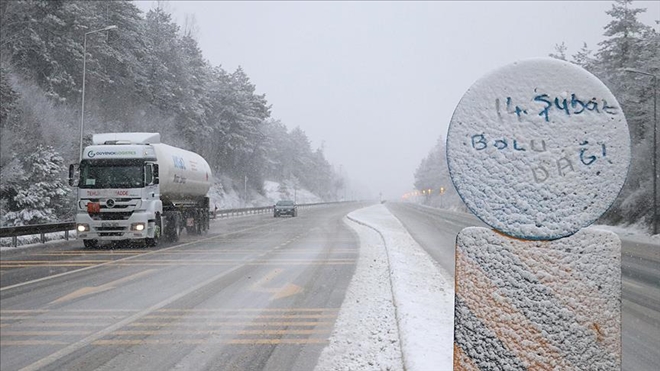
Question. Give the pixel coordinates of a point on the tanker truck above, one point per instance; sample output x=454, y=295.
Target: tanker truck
x=133, y=187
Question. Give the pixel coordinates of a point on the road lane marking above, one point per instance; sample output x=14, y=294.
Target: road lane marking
x=45, y=333
x=326, y=330
x=55, y=324
x=198, y=252
x=263, y=316
x=10, y=262
x=46, y=264
x=57, y=316
x=171, y=316
x=54, y=357
x=85, y=291
x=233, y=323
x=131, y=257
x=175, y=310
x=288, y=289
x=173, y=324
x=210, y=341
x=278, y=341
x=30, y=342
x=220, y=332
x=251, y=310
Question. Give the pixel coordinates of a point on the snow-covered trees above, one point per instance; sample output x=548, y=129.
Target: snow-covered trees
x=433, y=174
x=32, y=189
x=147, y=75
x=629, y=44
x=624, y=37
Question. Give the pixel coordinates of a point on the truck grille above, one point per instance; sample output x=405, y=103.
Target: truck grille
x=108, y=215
x=109, y=229
x=108, y=234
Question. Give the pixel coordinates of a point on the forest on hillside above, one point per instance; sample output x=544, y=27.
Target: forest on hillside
x=147, y=75
x=627, y=44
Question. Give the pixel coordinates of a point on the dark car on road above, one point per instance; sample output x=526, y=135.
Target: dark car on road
x=285, y=207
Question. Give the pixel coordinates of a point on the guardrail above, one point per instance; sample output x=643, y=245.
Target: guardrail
x=42, y=229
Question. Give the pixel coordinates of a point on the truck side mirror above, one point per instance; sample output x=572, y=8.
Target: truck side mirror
x=155, y=174
x=148, y=174
x=72, y=171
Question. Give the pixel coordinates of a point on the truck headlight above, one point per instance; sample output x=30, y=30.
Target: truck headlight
x=137, y=227
x=82, y=227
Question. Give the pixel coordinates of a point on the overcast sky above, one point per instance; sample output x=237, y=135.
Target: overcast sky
x=377, y=82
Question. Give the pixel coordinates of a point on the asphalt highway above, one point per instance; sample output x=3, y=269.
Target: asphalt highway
x=436, y=231
x=255, y=293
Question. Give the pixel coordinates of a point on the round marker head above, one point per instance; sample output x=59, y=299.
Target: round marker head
x=538, y=149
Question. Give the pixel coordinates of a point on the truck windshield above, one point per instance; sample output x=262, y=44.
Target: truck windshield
x=111, y=174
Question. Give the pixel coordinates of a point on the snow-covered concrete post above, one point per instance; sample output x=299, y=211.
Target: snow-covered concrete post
x=538, y=150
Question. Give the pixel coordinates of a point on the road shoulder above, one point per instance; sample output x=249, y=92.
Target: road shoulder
x=422, y=300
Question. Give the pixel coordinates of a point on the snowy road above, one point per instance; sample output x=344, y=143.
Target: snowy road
x=436, y=230
x=258, y=293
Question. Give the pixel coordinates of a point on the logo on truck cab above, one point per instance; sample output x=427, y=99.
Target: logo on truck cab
x=92, y=153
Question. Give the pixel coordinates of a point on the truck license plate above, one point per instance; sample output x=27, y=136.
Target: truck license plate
x=109, y=224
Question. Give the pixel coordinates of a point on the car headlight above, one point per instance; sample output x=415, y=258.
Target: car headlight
x=82, y=227
x=137, y=227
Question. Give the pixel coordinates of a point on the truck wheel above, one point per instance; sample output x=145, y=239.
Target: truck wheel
x=172, y=230
x=153, y=242
x=91, y=244
x=175, y=233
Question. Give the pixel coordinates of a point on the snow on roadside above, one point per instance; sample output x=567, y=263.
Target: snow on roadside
x=634, y=233
x=365, y=335
x=423, y=301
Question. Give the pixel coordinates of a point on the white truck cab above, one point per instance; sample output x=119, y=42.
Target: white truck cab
x=132, y=187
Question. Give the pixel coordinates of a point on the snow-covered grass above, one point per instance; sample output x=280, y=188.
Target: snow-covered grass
x=35, y=239
x=637, y=233
x=422, y=299
x=223, y=195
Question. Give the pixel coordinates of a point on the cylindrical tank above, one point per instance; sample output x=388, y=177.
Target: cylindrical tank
x=184, y=176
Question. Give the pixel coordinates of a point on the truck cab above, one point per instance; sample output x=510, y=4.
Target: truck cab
x=122, y=195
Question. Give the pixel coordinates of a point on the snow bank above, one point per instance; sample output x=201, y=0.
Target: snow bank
x=366, y=336
x=422, y=299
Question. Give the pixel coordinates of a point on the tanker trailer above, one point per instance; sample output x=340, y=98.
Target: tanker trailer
x=132, y=187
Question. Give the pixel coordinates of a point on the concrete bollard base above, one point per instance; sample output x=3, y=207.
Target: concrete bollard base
x=542, y=305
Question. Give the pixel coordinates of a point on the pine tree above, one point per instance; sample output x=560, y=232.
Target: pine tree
x=623, y=34
x=8, y=97
x=40, y=192
x=584, y=57
x=560, y=51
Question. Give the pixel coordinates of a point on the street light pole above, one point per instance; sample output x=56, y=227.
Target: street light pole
x=654, y=80
x=82, y=108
